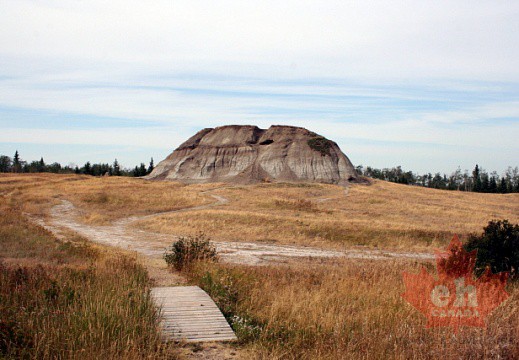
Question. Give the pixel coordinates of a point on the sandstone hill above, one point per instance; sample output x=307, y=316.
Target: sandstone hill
x=248, y=154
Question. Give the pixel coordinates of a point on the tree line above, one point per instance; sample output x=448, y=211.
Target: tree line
x=17, y=165
x=478, y=181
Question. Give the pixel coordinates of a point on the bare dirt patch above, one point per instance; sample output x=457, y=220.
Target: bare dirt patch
x=150, y=244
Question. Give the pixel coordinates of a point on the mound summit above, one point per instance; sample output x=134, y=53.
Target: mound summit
x=248, y=154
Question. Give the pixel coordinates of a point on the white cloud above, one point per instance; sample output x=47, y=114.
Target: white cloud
x=157, y=138
x=369, y=39
x=346, y=69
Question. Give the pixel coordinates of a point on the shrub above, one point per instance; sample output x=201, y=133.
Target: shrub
x=186, y=250
x=498, y=247
x=320, y=144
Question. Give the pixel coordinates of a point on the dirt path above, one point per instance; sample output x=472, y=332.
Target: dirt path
x=66, y=215
x=65, y=218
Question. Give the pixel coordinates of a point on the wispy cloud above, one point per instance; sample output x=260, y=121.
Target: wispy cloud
x=424, y=84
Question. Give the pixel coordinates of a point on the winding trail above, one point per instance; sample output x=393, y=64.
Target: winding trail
x=178, y=321
x=150, y=244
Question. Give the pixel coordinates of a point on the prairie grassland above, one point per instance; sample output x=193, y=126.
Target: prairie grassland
x=71, y=299
x=74, y=299
x=384, y=215
x=101, y=199
x=345, y=310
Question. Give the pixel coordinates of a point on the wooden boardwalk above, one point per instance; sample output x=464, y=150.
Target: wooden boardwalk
x=189, y=314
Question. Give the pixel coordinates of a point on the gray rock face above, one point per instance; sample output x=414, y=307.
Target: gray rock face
x=248, y=154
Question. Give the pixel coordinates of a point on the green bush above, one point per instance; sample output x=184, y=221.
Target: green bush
x=498, y=247
x=320, y=144
x=186, y=250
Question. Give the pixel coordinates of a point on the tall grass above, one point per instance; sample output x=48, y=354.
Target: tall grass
x=70, y=300
x=345, y=310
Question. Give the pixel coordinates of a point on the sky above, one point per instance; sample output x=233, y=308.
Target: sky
x=428, y=85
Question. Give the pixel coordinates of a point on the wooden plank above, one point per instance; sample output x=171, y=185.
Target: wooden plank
x=189, y=314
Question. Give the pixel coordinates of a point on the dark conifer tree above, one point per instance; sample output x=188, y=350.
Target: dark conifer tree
x=142, y=170
x=477, y=179
x=492, y=186
x=41, y=165
x=87, y=169
x=485, y=182
x=502, y=188
x=116, y=169
x=17, y=164
x=151, y=167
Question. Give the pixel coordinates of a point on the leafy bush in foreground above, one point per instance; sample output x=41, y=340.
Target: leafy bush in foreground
x=498, y=247
x=186, y=250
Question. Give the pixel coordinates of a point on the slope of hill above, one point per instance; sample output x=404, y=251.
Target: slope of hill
x=248, y=154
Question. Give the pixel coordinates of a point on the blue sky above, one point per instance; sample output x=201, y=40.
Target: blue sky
x=429, y=85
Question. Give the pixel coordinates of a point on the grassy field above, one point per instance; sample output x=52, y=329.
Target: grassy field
x=345, y=310
x=72, y=299
x=101, y=199
x=68, y=298
x=383, y=215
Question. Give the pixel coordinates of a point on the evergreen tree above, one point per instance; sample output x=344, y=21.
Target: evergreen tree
x=17, y=164
x=41, y=165
x=492, y=186
x=87, y=169
x=476, y=179
x=142, y=170
x=485, y=182
x=502, y=188
x=151, y=167
x=54, y=168
x=116, y=168
x=139, y=170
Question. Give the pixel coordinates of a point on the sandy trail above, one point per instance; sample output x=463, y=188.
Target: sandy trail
x=66, y=215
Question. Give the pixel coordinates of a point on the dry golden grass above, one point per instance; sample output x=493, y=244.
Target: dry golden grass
x=384, y=215
x=70, y=299
x=345, y=310
x=339, y=309
x=101, y=199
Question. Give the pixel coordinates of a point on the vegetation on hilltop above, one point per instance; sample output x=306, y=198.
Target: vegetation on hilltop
x=479, y=181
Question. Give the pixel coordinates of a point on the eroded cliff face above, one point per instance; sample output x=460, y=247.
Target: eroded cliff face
x=247, y=154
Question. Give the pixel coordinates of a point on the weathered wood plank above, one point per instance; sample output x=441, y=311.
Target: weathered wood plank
x=189, y=314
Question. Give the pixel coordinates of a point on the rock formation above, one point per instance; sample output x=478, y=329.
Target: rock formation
x=247, y=154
